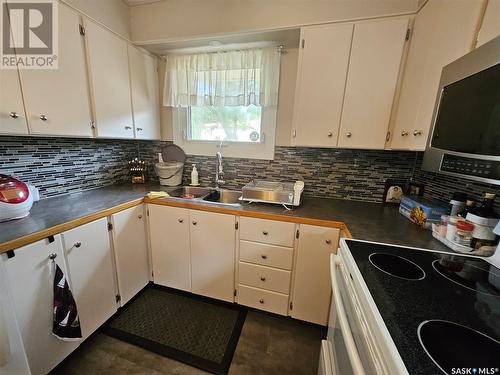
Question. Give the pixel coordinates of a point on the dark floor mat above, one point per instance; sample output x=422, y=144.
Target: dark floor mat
x=198, y=331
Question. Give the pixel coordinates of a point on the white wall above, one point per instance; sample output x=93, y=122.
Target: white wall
x=114, y=14
x=491, y=23
x=179, y=19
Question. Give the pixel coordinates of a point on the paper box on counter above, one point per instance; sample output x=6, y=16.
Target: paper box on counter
x=421, y=211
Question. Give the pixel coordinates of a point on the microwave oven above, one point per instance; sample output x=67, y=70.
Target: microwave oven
x=465, y=136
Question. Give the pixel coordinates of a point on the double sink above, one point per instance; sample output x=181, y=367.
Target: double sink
x=222, y=196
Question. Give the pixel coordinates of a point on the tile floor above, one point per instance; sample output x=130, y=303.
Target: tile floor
x=268, y=345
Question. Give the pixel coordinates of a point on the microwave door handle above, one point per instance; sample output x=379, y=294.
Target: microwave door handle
x=352, y=351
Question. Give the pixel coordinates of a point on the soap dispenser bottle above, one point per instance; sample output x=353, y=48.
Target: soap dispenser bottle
x=194, y=176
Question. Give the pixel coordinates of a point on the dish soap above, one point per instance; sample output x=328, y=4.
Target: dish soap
x=194, y=176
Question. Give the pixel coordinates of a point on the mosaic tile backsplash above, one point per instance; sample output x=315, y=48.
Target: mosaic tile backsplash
x=63, y=165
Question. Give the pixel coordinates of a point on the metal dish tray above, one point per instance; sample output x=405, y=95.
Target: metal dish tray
x=268, y=192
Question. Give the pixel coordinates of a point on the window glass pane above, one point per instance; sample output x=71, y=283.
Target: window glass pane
x=232, y=124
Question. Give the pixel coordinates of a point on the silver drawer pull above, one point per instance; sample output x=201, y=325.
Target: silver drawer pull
x=263, y=256
x=43, y=117
x=77, y=244
x=330, y=134
x=404, y=133
x=262, y=278
x=181, y=220
x=261, y=301
x=13, y=115
x=328, y=242
x=265, y=233
x=195, y=222
x=139, y=129
x=52, y=256
x=139, y=217
x=417, y=132
x=128, y=127
x=348, y=134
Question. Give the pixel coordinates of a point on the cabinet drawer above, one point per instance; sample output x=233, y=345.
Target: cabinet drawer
x=264, y=277
x=267, y=231
x=263, y=299
x=266, y=255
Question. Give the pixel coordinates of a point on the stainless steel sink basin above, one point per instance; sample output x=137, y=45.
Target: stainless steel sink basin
x=224, y=197
x=190, y=192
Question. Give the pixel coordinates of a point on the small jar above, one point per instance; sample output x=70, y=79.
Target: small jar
x=443, y=226
x=452, y=227
x=463, y=235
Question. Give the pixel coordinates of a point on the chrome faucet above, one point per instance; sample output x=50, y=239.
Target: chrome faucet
x=219, y=170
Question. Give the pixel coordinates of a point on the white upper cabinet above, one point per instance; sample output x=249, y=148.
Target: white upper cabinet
x=321, y=78
x=12, y=116
x=443, y=31
x=57, y=101
x=376, y=52
x=145, y=94
x=491, y=23
x=110, y=83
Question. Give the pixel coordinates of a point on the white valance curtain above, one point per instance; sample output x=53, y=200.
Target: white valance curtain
x=230, y=78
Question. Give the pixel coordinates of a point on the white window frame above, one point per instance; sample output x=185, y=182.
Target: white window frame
x=249, y=150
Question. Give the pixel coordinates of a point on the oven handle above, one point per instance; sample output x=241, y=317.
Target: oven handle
x=352, y=351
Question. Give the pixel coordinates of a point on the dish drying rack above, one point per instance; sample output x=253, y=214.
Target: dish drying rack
x=285, y=193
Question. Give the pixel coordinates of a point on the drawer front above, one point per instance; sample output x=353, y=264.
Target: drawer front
x=263, y=299
x=266, y=255
x=265, y=277
x=267, y=231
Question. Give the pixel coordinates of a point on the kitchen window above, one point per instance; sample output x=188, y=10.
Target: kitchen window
x=224, y=99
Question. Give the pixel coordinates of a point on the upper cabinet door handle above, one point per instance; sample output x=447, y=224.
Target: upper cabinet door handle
x=330, y=134
x=13, y=115
x=265, y=233
x=128, y=127
x=139, y=129
x=348, y=134
x=417, y=132
x=328, y=242
x=404, y=133
x=43, y=117
x=77, y=244
x=195, y=222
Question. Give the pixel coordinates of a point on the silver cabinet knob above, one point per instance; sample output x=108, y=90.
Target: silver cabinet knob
x=139, y=217
x=404, y=133
x=195, y=222
x=265, y=233
x=348, y=134
x=261, y=301
x=181, y=220
x=13, y=115
x=262, y=278
x=43, y=117
x=77, y=244
x=328, y=242
x=52, y=256
x=263, y=256
x=330, y=134
x=417, y=132
x=139, y=129
x=128, y=127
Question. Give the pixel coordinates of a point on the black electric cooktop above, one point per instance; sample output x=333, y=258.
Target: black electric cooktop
x=442, y=310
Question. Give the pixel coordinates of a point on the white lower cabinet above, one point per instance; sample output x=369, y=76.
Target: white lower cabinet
x=91, y=271
x=263, y=299
x=212, y=239
x=170, y=248
x=131, y=251
x=311, y=285
x=30, y=283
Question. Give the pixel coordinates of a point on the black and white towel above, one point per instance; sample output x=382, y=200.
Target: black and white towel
x=66, y=325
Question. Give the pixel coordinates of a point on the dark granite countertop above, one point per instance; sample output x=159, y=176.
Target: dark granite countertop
x=365, y=221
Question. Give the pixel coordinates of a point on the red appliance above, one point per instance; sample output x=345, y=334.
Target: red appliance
x=16, y=198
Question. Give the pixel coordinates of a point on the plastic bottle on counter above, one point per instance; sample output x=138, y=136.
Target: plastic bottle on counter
x=470, y=205
x=451, y=229
x=457, y=203
x=486, y=209
x=194, y=176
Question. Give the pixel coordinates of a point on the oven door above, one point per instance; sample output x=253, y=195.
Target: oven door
x=348, y=336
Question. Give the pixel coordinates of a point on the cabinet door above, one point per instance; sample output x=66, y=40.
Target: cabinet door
x=213, y=238
x=311, y=286
x=12, y=116
x=443, y=31
x=377, y=49
x=322, y=71
x=110, y=81
x=88, y=253
x=57, y=100
x=131, y=253
x=169, y=233
x=30, y=284
x=145, y=94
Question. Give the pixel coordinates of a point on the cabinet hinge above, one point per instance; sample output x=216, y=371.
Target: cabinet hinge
x=236, y=225
x=82, y=29
x=11, y=254
x=147, y=212
x=303, y=43
x=92, y=125
x=297, y=234
x=110, y=227
x=291, y=305
x=118, y=298
x=388, y=136
x=408, y=34
x=294, y=134
x=235, y=293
